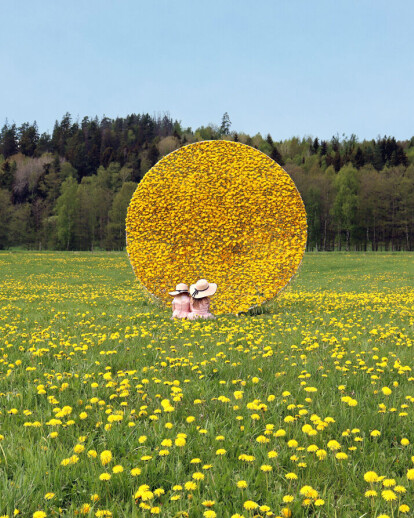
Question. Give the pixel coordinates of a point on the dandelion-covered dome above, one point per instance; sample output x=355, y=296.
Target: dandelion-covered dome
x=217, y=210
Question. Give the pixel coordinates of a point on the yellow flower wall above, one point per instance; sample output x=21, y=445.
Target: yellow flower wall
x=222, y=211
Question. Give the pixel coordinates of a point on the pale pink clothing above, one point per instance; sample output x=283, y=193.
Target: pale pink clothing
x=202, y=311
x=181, y=306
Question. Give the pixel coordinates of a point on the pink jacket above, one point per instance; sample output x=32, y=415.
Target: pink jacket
x=202, y=311
x=181, y=306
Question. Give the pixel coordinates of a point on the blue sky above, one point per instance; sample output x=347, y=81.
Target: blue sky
x=284, y=67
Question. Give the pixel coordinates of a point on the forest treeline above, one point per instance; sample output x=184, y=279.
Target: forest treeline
x=70, y=190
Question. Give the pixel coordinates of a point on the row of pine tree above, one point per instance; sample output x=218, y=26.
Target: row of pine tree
x=70, y=190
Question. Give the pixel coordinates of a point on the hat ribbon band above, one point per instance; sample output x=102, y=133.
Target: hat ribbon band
x=196, y=291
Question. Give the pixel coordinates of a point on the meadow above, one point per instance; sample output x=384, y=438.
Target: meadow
x=108, y=408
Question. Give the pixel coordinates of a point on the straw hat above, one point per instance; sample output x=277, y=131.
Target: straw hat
x=180, y=288
x=202, y=288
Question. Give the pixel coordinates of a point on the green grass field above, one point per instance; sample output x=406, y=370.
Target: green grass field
x=281, y=413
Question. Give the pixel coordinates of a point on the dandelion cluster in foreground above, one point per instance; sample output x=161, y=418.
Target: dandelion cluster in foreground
x=108, y=408
x=222, y=211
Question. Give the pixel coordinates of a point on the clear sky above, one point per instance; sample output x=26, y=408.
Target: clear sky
x=284, y=67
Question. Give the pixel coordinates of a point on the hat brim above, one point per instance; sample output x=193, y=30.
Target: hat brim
x=174, y=293
x=211, y=290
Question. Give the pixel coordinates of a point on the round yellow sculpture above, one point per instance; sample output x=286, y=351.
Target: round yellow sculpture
x=217, y=210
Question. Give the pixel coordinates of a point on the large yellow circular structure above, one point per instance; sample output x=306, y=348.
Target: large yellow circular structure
x=222, y=211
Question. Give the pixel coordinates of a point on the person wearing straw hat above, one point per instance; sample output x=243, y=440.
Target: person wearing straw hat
x=200, y=293
x=181, y=301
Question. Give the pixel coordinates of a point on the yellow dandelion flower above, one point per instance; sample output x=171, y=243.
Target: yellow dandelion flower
x=321, y=454
x=333, y=445
x=370, y=476
x=106, y=457
x=208, y=503
x=388, y=495
x=250, y=504
x=341, y=456
x=291, y=476
x=400, y=489
x=266, y=468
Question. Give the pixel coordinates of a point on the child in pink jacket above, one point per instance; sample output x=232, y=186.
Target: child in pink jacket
x=181, y=301
x=200, y=293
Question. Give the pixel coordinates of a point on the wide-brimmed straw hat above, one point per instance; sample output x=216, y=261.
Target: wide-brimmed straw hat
x=202, y=288
x=180, y=288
